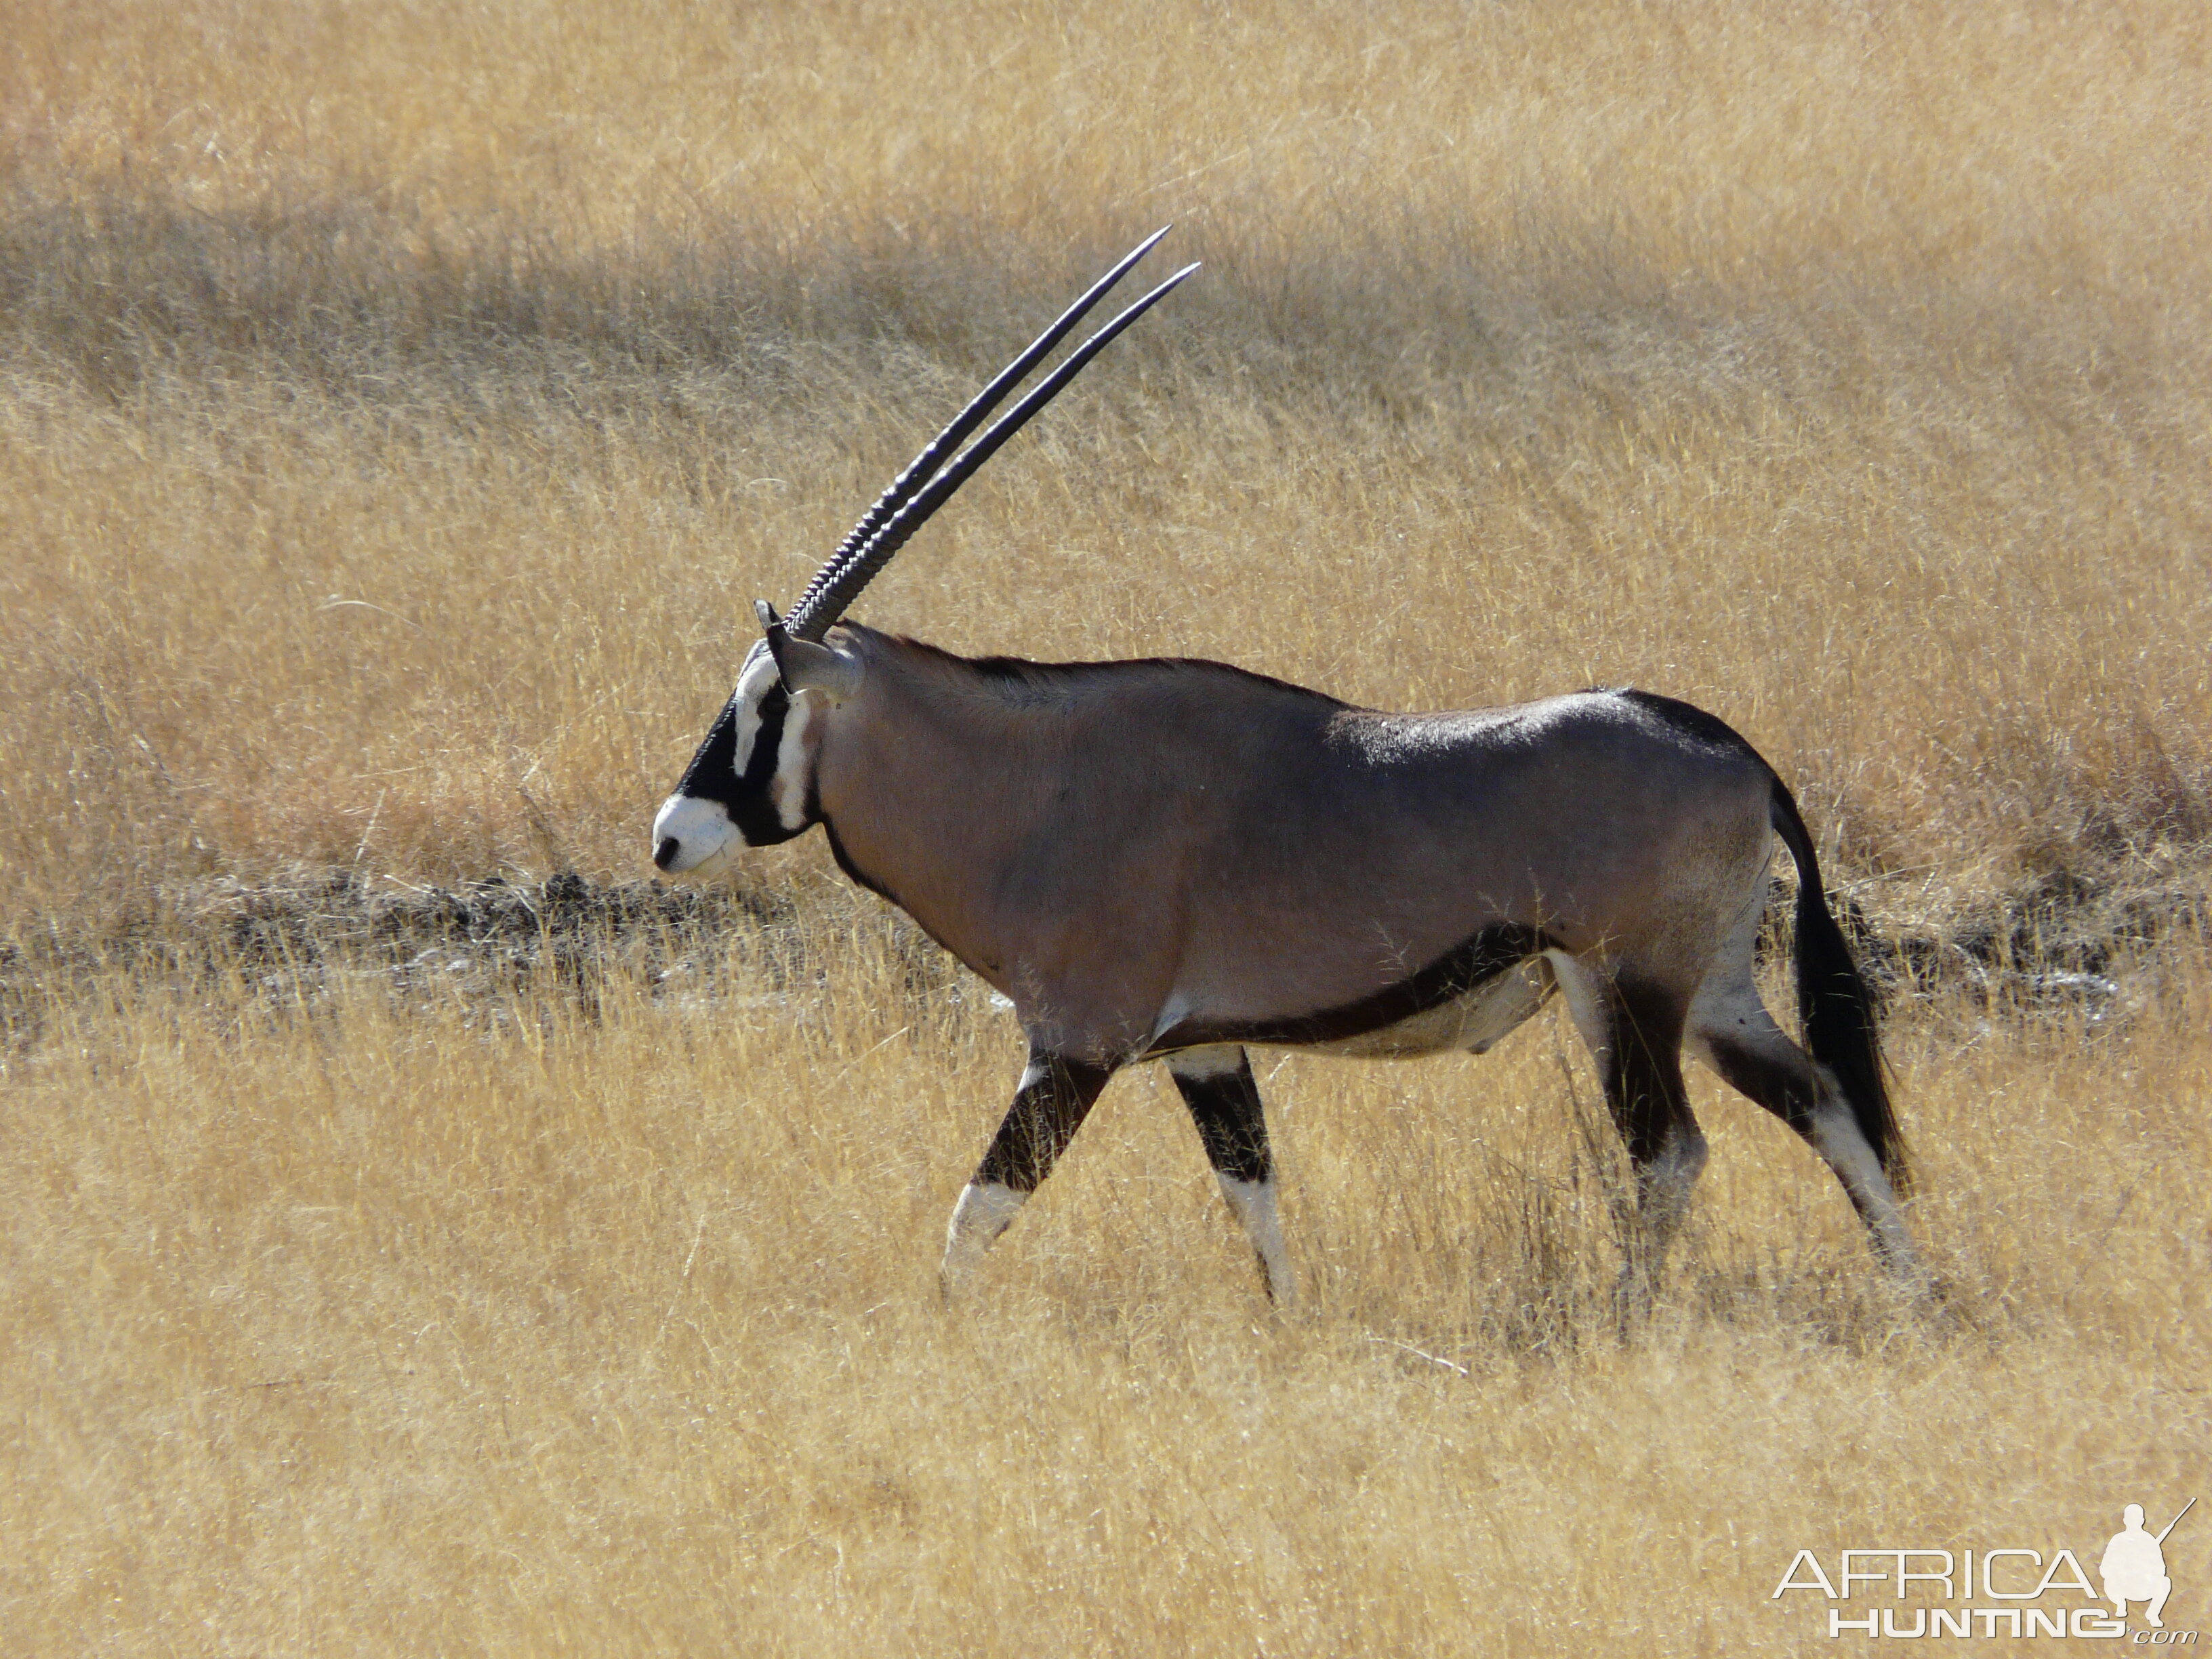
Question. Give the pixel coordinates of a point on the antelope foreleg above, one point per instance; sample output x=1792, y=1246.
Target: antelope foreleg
x=1049, y=1106
x=1216, y=1082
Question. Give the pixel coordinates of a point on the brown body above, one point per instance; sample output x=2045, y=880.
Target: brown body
x=1171, y=859
x=1151, y=847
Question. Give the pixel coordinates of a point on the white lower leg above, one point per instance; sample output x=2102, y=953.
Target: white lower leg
x=986, y=1209
x=1253, y=1203
x=1667, y=1182
x=1837, y=1138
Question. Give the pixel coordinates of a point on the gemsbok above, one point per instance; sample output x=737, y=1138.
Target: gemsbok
x=1174, y=859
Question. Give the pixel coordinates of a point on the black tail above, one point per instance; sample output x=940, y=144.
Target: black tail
x=1834, y=1003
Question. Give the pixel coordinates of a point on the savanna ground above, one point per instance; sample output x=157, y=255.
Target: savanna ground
x=422, y=1235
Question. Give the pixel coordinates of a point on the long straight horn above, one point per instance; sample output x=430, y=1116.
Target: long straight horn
x=812, y=616
x=919, y=470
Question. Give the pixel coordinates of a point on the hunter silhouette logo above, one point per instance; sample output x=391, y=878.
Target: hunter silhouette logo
x=2022, y=1593
x=2134, y=1567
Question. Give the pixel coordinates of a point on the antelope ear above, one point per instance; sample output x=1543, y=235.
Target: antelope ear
x=805, y=666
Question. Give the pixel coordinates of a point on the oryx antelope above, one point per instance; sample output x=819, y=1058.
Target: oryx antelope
x=1174, y=859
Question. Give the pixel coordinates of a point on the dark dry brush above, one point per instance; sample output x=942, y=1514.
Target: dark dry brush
x=290, y=942
x=2055, y=946
x=292, y=945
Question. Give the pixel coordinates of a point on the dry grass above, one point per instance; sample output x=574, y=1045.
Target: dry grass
x=399, y=410
x=480, y=1324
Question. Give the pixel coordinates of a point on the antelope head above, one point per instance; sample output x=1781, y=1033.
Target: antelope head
x=751, y=783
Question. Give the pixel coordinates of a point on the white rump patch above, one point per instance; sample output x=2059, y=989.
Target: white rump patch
x=1253, y=1203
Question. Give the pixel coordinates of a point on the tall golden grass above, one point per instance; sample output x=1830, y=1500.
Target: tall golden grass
x=400, y=408
x=487, y=1321
x=403, y=408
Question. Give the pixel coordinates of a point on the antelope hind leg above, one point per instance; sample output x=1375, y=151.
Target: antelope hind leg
x=1732, y=1031
x=1632, y=1027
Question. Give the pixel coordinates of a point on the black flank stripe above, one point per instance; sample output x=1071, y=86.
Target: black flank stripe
x=1472, y=962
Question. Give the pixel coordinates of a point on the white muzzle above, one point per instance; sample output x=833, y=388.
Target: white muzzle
x=691, y=836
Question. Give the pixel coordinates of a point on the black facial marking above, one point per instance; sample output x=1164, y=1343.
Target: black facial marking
x=713, y=774
x=1472, y=962
x=753, y=811
x=1230, y=1125
x=712, y=771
